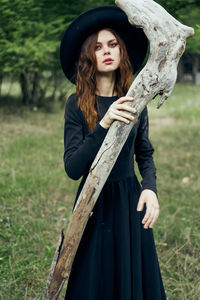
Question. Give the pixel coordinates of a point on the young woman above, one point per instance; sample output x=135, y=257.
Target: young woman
x=116, y=258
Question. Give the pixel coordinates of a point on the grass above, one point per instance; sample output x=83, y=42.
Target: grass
x=36, y=197
x=176, y=137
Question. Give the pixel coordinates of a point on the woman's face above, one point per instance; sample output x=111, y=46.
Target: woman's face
x=107, y=52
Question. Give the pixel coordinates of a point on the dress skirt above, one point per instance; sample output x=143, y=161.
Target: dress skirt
x=116, y=258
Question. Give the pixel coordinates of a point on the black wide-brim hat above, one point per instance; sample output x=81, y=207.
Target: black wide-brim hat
x=92, y=21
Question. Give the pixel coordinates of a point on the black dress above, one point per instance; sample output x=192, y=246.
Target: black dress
x=116, y=258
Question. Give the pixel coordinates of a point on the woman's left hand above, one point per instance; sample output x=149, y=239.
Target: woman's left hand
x=152, y=207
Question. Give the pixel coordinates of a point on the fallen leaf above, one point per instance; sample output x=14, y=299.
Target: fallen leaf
x=61, y=208
x=186, y=180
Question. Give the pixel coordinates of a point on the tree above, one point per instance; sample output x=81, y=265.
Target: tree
x=28, y=43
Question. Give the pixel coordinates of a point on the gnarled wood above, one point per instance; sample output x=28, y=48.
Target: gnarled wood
x=167, y=39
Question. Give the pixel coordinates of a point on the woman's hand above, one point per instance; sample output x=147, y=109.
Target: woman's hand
x=118, y=110
x=152, y=207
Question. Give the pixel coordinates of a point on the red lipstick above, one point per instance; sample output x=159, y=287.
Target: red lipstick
x=108, y=61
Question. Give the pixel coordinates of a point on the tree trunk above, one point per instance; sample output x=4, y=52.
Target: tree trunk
x=35, y=89
x=43, y=90
x=53, y=96
x=1, y=81
x=24, y=88
x=195, y=67
x=180, y=73
x=167, y=39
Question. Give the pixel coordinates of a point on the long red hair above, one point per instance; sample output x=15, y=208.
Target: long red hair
x=86, y=80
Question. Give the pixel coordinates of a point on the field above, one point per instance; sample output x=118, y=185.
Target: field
x=36, y=197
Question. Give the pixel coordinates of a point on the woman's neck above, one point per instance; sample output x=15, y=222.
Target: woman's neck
x=105, y=83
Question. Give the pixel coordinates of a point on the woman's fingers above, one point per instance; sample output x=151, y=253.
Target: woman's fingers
x=152, y=207
x=114, y=113
x=119, y=118
x=123, y=99
x=125, y=107
x=147, y=215
x=151, y=216
x=118, y=111
x=121, y=111
x=155, y=217
x=119, y=104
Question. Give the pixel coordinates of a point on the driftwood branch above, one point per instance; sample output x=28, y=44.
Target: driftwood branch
x=167, y=39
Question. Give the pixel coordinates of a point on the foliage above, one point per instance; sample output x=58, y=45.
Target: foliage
x=29, y=44
x=193, y=44
x=174, y=7
x=30, y=34
x=187, y=12
x=28, y=39
x=30, y=31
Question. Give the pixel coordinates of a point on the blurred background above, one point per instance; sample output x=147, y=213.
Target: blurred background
x=36, y=197
x=30, y=34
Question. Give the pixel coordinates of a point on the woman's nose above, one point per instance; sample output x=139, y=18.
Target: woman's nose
x=106, y=50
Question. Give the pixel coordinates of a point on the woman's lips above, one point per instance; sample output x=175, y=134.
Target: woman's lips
x=108, y=61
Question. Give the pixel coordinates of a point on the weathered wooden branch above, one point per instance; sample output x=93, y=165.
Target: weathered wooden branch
x=167, y=39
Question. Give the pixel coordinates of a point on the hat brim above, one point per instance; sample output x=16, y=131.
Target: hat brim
x=92, y=21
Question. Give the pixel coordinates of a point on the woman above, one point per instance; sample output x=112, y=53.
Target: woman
x=116, y=258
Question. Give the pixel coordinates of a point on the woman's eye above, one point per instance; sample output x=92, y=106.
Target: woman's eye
x=97, y=48
x=113, y=45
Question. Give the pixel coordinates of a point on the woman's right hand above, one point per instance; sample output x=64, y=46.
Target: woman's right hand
x=118, y=110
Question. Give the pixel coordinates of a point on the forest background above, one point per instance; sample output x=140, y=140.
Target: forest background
x=36, y=197
x=30, y=34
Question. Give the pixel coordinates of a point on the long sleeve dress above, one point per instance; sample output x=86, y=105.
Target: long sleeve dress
x=116, y=258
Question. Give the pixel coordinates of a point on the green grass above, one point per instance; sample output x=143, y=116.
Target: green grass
x=36, y=197
x=175, y=135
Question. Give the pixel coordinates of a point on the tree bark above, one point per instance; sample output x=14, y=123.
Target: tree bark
x=195, y=67
x=24, y=88
x=53, y=95
x=1, y=80
x=35, y=89
x=167, y=43
x=180, y=73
